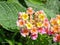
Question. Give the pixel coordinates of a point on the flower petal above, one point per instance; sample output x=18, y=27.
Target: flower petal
x=34, y=30
x=34, y=36
x=30, y=11
x=41, y=30
x=24, y=32
x=20, y=23
x=25, y=16
x=29, y=25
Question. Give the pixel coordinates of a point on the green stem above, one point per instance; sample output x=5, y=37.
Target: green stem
x=14, y=35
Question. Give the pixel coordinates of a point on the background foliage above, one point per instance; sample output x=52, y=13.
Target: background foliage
x=9, y=32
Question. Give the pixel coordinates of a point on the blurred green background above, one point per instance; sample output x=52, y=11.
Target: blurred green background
x=9, y=32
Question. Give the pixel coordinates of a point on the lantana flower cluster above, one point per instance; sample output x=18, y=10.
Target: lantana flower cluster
x=32, y=23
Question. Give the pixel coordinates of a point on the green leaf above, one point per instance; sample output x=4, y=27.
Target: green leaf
x=2, y=36
x=34, y=2
x=1, y=39
x=53, y=5
x=9, y=15
x=11, y=42
x=16, y=1
x=30, y=42
x=38, y=6
x=19, y=43
x=3, y=0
